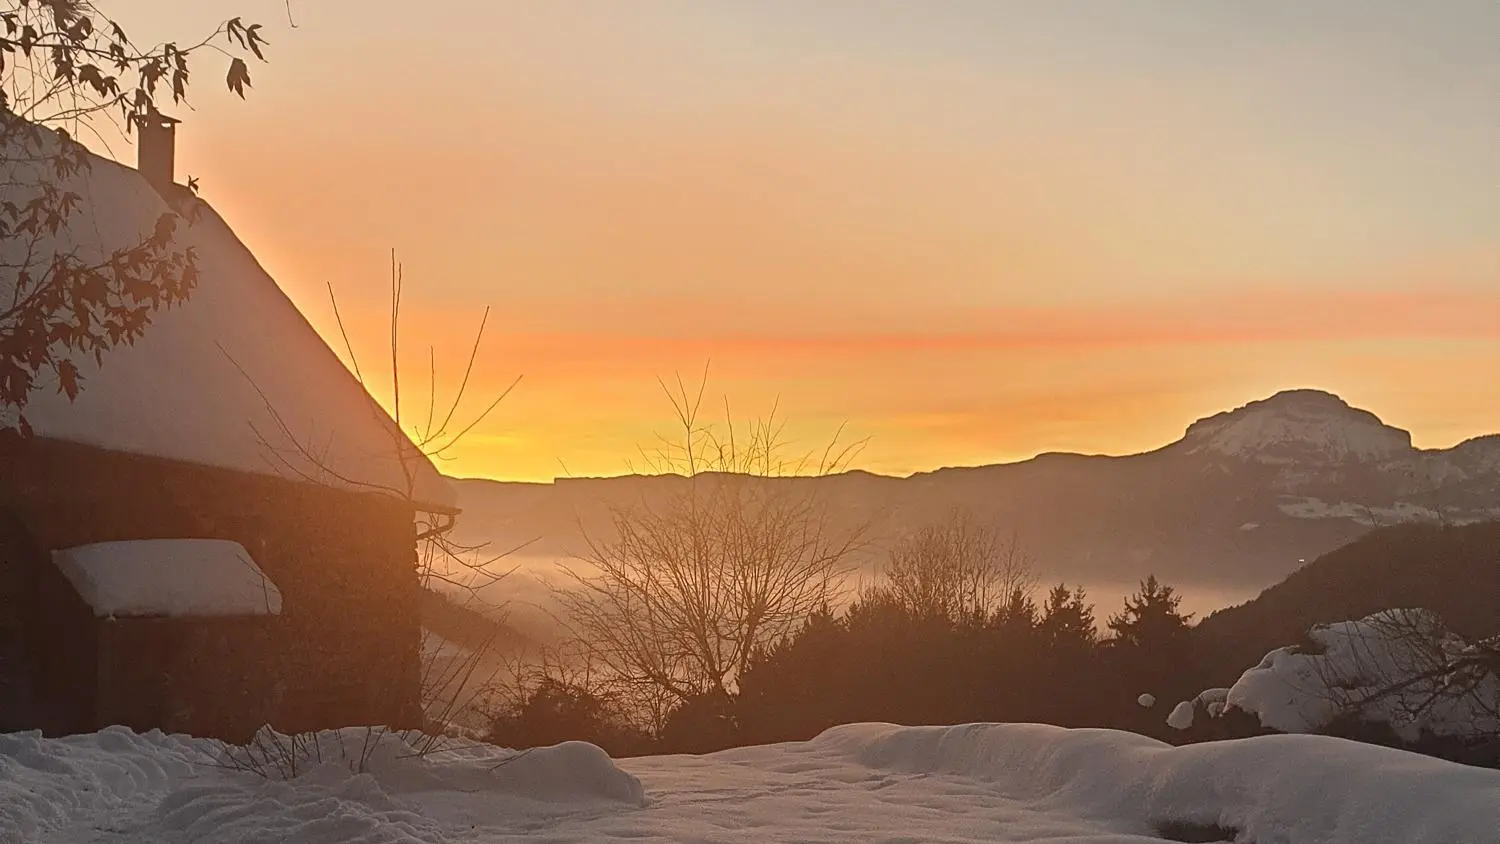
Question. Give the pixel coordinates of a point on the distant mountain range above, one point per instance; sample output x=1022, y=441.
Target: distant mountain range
x=1242, y=498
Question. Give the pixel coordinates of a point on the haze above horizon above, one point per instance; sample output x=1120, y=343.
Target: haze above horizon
x=972, y=231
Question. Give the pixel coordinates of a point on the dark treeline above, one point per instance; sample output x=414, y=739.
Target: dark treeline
x=885, y=660
x=957, y=633
x=900, y=656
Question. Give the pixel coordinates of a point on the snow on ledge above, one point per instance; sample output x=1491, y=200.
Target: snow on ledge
x=169, y=577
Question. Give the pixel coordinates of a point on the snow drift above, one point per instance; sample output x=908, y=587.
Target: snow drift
x=862, y=782
x=1271, y=788
x=356, y=785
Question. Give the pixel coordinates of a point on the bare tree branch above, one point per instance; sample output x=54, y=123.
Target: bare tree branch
x=738, y=555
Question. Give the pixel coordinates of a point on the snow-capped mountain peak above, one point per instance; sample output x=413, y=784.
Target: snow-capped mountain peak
x=1298, y=425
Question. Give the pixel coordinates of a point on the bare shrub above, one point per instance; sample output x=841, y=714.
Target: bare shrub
x=358, y=750
x=560, y=693
x=959, y=569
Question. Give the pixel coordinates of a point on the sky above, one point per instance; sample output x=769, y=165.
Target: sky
x=965, y=231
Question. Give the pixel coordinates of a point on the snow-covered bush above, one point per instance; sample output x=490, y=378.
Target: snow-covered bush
x=1399, y=669
x=1209, y=703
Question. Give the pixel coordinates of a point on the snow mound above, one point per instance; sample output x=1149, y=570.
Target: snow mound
x=367, y=786
x=1210, y=702
x=406, y=761
x=44, y=783
x=358, y=785
x=1290, y=789
x=1387, y=668
x=864, y=782
x=354, y=810
x=170, y=577
x=1182, y=716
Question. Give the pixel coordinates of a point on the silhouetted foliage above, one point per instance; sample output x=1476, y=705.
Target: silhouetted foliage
x=1150, y=617
x=555, y=711
x=958, y=569
x=888, y=658
x=1150, y=651
x=1018, y=615
x=1189, y=832
x=883, y=660
x=788, y=689
x=701, y=724
x=1067, y=619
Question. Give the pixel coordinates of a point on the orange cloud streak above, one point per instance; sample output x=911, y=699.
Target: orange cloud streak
x=999, y=384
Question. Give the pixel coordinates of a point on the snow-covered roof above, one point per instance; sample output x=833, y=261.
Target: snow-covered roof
x=169, y=577
x=235, y=377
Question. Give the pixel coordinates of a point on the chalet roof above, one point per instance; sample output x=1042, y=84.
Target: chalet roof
x=173, y=578
x=235, y=377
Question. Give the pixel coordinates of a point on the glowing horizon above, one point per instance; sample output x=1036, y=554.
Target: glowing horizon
x=970, y=233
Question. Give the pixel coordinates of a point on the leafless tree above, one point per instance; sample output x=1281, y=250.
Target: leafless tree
x=738, y=553
x=448, y=686
x=959, y=569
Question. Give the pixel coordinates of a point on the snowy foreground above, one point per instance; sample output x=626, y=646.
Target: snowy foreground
x=863, y=782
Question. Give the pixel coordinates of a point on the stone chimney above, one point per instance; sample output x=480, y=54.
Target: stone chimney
x=157, y=150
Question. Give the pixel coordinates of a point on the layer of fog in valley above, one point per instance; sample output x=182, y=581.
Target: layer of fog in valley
x=527, y=591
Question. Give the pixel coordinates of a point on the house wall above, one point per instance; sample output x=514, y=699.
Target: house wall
x=15, y=683
x=48, y=658
x=201, y=676
x=347, y=649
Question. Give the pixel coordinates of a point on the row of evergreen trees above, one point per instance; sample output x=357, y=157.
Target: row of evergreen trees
x=899, y=656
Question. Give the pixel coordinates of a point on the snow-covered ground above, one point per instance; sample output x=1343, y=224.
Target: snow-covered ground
x=863, y=782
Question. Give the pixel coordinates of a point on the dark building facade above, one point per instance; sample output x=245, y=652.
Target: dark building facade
x=343, y=650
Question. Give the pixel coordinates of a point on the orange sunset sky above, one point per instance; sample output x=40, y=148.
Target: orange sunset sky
x=972, y=231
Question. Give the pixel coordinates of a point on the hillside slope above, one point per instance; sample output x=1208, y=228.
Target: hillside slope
x=1453, y=571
